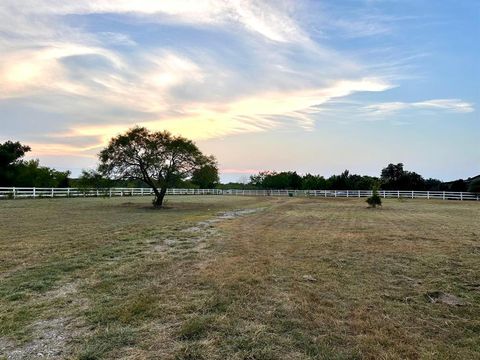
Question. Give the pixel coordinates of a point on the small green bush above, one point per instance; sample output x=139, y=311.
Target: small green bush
x=375, y=199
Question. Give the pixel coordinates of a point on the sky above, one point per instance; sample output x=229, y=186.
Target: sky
x=308, y=85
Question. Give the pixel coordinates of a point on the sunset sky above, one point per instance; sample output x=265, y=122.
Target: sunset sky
x=313, y=86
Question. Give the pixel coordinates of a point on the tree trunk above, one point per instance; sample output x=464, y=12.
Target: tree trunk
x=159, y=196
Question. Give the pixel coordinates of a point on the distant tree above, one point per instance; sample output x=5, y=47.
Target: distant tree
x=30, y=173
x=313, y=182
x=411, y=181
x=433, y=184
x=358, y=182
x=295, y=181
x=474, y=186
x=392, y=173
x=339, y=182
x=206, y=177
x=11, y=154
x=273, y=180
x=236, y=186
x=394, y=177
x=93, y=179
x=157, y=158
x=258, y=180
x=458, y=185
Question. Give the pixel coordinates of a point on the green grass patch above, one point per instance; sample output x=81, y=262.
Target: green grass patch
x=107, y=340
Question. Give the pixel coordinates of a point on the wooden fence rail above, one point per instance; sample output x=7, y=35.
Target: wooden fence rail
x=30, y=192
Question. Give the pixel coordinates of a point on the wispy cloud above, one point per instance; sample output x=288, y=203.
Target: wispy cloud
x=256, y=16
x=75, y=73
x=452, y=105
x=83, y=76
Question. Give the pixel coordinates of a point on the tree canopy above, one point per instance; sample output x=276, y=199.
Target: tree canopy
x=160, y=159
x=206, y=177
x=394, y=177
x=11, y=154
x=475, y=185
x=14, y=171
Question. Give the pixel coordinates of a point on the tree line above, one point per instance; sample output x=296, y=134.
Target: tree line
x=15, y=171
x=196, y=170
x=392, y=177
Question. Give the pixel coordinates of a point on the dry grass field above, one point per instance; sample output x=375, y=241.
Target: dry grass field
x=239, y=278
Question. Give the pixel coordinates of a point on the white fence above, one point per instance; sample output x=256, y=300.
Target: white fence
x=24, y=192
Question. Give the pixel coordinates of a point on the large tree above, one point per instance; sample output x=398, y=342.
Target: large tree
x=206, y=177
x=157, y=158
x=394, y=177
x=11, y=154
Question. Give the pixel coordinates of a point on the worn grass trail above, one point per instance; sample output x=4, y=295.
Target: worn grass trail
x=294, y=278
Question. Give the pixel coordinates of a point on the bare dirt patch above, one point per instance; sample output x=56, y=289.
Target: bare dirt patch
x=50, y=340
x=203, y=230
x=444, y=298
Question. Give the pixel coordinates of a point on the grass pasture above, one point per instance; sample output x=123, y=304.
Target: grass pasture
x=215, y=277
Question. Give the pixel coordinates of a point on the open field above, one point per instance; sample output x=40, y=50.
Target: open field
x=284, y=278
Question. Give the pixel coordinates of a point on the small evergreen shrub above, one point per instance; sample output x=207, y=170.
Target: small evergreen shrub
x=374, y=200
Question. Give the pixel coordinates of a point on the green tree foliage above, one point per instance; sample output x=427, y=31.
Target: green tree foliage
x=14, y=171
x=433, y=185
x=237, y=186
x=30, y=173
x=313, y=182
x=11, y=154
x=392, y=173
x=474, y=186
x=374, y=200
x=339, y=182
x=272, y=180
x=93, y=179
x=458, y=185
x=292, y=181
x=258, y=180
x=394, y=177
x=159, y=159
x=206, y=177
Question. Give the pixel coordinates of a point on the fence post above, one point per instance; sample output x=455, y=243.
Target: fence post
x=68, y=192
x=428, y=195
x=398, y=194
x=347, y=193
x=34, y=192
x=461, y=195
x=384, y=194
x=51, y=193
x=110, y=192
x=14, y=193
x=335, y=193
x=444, y=195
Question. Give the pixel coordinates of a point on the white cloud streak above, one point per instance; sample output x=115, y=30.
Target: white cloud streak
x=452, y=105
x=256, y=16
